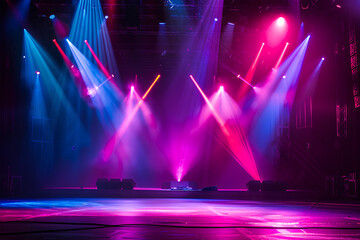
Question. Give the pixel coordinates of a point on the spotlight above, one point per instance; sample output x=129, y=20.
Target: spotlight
x=221, y=88
x=106, y=16
x=84, y=40
x=238, y=76
x=284, y=76
x=232, y=24
x=216, y=19
x=37, y=72
x=280, y=22
x=338, y=6
x=287, y=43
x=323, y=59
x=132, y=88
x=24, y=56
x=91, y=92
x=162, y=23
x=52, y=16
x=112, y=75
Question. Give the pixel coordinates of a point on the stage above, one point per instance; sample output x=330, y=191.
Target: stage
x=227, y=194
x=97, y=218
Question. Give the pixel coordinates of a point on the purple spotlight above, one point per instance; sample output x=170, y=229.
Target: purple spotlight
x=216, y=19
x=284, y=76
x=322, y=59
x=221, y=88
x=230, y=23
x=132, y=88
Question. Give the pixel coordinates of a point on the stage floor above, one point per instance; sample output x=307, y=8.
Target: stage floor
x=94, y=218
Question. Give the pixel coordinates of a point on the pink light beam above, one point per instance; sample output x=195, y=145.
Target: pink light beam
x=109, y=148
x=212, y=109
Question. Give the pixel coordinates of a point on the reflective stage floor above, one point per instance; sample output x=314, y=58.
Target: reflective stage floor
x=175, y=219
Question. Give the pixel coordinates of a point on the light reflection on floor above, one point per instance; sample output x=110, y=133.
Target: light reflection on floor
x=175, y=219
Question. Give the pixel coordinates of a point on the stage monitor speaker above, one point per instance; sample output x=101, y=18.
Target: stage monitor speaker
x=115, y=184
x=271, y=186
x=210, y=189
x=102, y=183
x=253, y=185
x=128, y=184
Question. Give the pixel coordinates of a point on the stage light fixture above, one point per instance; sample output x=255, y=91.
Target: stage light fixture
x=132, y=88
x=52, y=16
x=37, y=72
x=280, y=22
x=230, y=23
x=323, y=59
x=221, y=88
x=106, y=16
x=162, y=23
x=182, y=185
x=216, y=19
x=284, y=76
x=24, y=56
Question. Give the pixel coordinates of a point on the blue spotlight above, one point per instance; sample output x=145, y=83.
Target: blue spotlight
x=37, y=72
x=162, y=23
x=52, y=16
x=106, y=16
x=216, y=19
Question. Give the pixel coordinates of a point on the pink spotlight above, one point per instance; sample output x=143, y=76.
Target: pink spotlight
x=221, y=88
x=323, y=59
x=277, y=32
x=280, y=22
x=132, y=88
x=37, y=72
